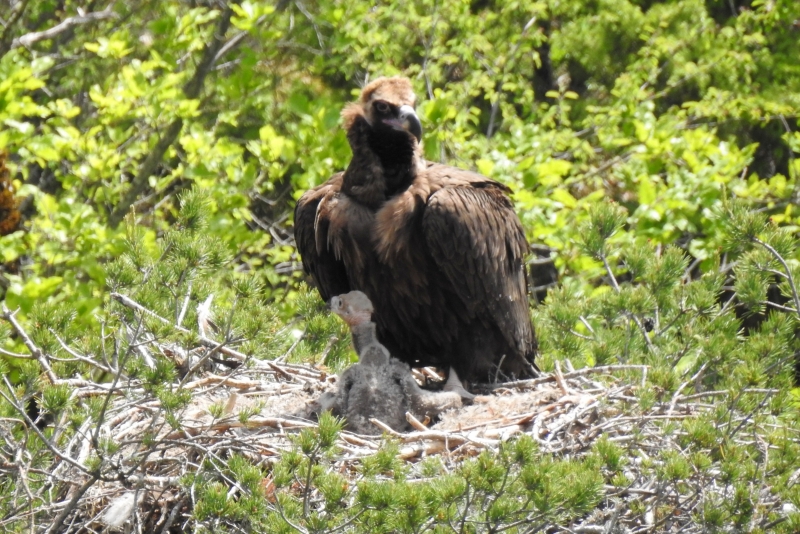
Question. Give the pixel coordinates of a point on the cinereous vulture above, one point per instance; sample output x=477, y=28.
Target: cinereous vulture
x=438, y=250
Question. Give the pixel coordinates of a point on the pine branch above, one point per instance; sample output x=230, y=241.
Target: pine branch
x=31, y=425
x=788, y=271
x=635, y=319
x=35, y=351
x=206, y=342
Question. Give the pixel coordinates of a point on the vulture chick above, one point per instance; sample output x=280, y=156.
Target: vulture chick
x=438, y=250
x=378, y=385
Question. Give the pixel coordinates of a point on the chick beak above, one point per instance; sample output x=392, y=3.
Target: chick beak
x=334, y=304
x=406, y=121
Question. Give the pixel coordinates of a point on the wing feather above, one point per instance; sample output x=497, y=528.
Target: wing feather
x=311, y=237
x=478, y=242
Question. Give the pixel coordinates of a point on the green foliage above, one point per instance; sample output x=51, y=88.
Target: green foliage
x=610, y=454
x=686, y=325
x=55, y=398
x=492, y=492
x=662, y=106
x=651, y=145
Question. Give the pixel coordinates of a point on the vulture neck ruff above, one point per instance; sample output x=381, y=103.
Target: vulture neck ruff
x=385, y=161
x=397, y=152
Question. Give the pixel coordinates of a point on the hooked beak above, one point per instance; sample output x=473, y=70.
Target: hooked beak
x=335, y=303
x=406, y=121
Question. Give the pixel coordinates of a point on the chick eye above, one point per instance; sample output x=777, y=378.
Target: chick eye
x=382, y=107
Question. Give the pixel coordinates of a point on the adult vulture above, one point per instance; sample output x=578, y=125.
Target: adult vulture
x=438, y=250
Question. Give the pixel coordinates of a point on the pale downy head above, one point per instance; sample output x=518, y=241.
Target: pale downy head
x=354, y=308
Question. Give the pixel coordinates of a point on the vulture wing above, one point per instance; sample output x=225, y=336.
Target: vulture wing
x=477, y=241
x=311, y=237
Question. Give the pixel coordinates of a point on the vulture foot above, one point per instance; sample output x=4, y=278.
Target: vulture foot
x=455, y=385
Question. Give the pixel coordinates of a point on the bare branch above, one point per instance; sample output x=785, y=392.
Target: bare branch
x=209, y=343
x=788, y=271
x=69, y=22
x=73, y=502
x=38, y=432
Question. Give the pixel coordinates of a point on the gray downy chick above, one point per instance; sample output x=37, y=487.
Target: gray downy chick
x=379, y=386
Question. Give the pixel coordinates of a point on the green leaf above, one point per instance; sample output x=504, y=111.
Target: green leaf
x=563, y=196
x=485, y=166
x=550, y=172
x=647, y=190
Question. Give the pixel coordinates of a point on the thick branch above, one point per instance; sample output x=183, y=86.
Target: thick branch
x=69, y=22
x=195, y=85
x=72, y=504
x=191, y=90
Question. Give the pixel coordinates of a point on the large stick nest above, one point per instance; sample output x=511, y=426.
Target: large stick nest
x=253, y=411
x=152, y=449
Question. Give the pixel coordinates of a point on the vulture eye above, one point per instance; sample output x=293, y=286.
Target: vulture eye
x=382, y=107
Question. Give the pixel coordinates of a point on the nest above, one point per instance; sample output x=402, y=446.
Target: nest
x=151, y=449
x=254, y=411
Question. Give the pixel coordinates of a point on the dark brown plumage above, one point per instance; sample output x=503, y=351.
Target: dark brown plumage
x=438, y=250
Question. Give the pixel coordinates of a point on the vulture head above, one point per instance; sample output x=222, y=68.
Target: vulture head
x=387, y=104
x=384, y=133
x=354, y=308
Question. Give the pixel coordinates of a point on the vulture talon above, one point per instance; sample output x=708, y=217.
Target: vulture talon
x=454, y=384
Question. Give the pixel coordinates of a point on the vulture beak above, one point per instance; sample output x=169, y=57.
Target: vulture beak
x=335, y=303
x=406, y=121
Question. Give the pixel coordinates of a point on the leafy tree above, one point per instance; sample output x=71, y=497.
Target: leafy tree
x=661, y=106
